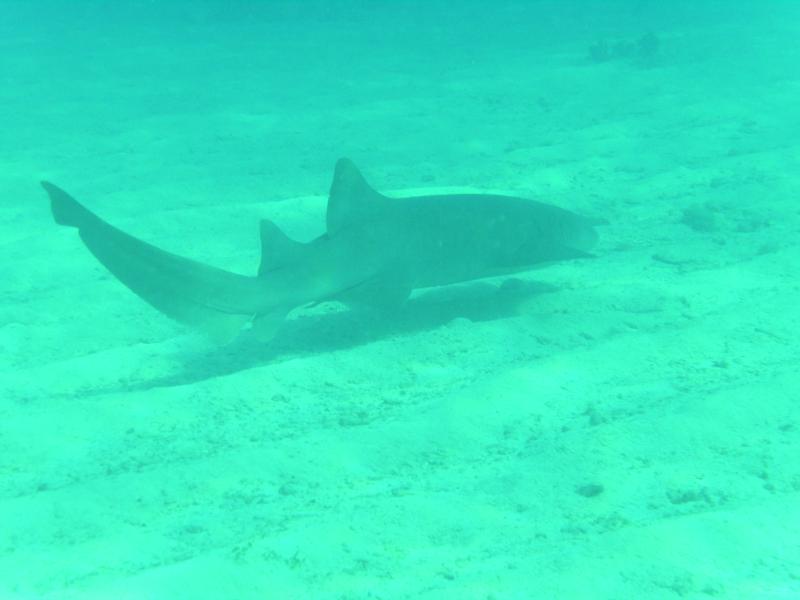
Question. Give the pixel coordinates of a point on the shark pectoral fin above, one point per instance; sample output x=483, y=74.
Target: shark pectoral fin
x=385, y=291
x=277, y=249
x=215, y=301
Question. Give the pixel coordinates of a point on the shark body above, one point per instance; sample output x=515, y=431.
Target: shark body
x=375, y=251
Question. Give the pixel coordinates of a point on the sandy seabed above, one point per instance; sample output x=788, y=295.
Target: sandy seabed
x=621, y=427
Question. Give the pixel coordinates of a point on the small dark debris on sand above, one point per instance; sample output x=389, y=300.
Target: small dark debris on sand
x=644, y=51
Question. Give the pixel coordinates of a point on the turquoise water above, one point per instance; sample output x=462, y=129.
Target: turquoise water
x=625, y=426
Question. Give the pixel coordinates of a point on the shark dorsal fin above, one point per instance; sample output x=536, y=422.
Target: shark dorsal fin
x=351, y=198
x=277, y=249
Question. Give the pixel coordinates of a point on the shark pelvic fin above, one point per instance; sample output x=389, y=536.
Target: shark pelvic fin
x=265, y=325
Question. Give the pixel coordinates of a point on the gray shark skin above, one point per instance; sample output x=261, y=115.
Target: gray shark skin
x=375, y=251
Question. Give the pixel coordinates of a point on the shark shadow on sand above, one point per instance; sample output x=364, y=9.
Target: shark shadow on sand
x=319, y=333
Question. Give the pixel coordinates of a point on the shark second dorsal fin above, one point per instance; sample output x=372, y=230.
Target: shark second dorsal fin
x=351, y=198
x=277, y=249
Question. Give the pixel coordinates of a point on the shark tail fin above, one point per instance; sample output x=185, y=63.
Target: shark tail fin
x=215, y=301
x=66, y=210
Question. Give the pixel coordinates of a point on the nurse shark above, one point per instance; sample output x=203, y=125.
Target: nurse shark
x=375, y=251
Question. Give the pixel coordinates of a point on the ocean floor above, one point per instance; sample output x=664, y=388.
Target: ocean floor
x=621, y=427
